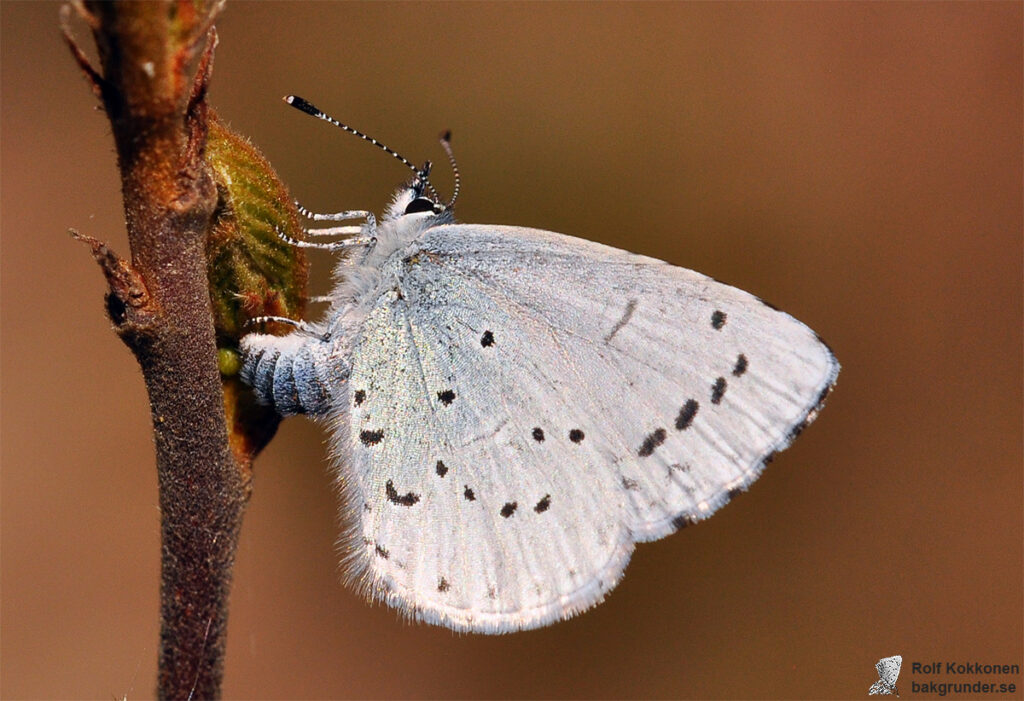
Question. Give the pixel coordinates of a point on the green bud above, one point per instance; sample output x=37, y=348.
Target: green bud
x=252, y=271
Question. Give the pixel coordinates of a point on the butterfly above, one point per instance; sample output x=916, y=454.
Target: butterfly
x=511, y=410
x=888, y=672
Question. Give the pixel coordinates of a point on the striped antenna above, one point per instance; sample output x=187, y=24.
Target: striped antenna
x=309, y=108
x=446, y=144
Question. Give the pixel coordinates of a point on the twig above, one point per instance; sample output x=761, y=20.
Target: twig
x=160, y=305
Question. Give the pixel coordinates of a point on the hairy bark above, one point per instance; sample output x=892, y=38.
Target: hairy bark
x=155, y=62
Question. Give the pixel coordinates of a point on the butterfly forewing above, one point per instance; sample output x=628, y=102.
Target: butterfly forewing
x=460, y=530
x=688, y=384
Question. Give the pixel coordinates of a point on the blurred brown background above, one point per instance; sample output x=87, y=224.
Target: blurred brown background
x=859, y=165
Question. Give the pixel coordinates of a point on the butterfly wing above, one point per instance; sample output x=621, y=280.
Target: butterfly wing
x=526, y=406
x=889, y=669
x=464, y=521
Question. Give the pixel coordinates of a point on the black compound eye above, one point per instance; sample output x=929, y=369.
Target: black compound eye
x=420, y=204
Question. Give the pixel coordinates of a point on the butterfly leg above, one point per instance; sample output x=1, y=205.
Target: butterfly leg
x=296, y=323
x=332, y=246
x=335, y=231
x=339, y=216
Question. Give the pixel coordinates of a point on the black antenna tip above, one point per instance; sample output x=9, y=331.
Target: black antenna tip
x=446, y=136
x=300, y=104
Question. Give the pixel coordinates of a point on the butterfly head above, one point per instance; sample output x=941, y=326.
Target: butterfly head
x=418, y=201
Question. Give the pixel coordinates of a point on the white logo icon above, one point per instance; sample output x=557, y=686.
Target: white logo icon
x=888, y=671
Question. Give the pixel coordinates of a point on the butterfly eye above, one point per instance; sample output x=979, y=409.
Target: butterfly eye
x=421, y=204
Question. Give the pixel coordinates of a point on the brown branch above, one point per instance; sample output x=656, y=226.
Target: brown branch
x=160, y=305
x=91, y=74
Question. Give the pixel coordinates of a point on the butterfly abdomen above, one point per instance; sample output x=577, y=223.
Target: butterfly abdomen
x=288, y=373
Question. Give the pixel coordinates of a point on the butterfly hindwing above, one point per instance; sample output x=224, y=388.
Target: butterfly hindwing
x=524, y=406
x=460, y=528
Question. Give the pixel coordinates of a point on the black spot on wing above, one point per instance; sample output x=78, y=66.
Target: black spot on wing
x=733, y=493
x=400, y=499
x=446, y=396
x=487, y=339
x=630, y=485
x=382, y=551
x=443, y=585
x=543, y=504
x=796, y=431
x=576, y=435
x=468, y=494
x=441, y=469
x=823, y=395
x=509, y=508
x=371, y=437
x=360, y=396
x=718, y=390
x=652, y=441
x=686, y=414
x=741, y=365
x=718, y=319
x=538, y=434
x=682, y=521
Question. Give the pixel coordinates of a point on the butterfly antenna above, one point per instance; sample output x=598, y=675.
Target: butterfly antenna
x=309, y=108
x=446, y=144
x=423, y=175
